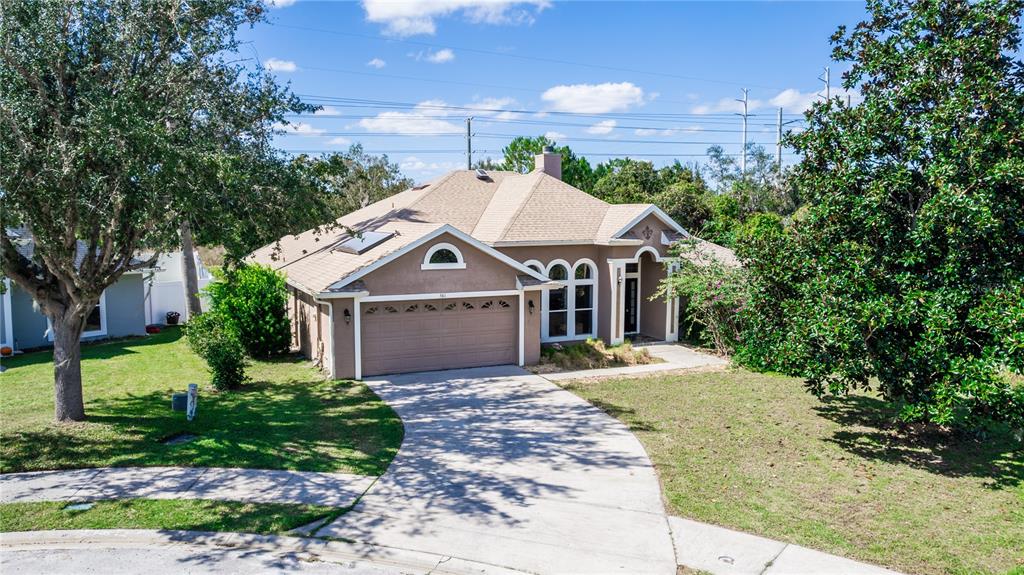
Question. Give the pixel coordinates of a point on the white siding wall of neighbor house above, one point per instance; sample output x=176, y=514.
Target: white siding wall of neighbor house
x=165, y=289
x=6, y=323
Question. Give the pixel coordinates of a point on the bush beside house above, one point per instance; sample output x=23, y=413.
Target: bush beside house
x=252, y=299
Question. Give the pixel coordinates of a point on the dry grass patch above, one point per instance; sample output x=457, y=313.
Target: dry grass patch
x=591, y=354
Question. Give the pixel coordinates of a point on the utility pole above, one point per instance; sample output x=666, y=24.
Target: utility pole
x=469, y=143
x=743, y=152
x=778, y=139
x=828, y=84
x=778, y=143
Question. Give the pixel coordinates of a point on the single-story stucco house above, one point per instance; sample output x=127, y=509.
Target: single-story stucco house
x=137, y=299
x=477, y=268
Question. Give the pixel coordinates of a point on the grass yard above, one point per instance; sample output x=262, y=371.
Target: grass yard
x=193, y=515
x=288, y=417
x=757, y=453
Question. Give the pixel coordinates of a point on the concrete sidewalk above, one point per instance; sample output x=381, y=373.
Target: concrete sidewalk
x=151, y=552
x=225, y=484
x=673, y=356
x=726, y=552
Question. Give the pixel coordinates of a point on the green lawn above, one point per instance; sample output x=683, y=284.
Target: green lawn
x=756, y=452
x=193, y=515
x=288, y=417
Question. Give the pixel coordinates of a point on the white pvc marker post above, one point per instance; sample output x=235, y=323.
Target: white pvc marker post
x=193, y=398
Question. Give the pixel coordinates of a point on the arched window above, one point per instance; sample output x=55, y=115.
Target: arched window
x=570, y=311
x=443, y=256
x=534, y=265
x=557, y=302
x=584, y=297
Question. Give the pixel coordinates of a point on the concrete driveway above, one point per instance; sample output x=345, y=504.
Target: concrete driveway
x=502, y=467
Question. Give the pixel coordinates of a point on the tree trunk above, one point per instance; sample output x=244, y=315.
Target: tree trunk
x=67, y=367
x=188, y=269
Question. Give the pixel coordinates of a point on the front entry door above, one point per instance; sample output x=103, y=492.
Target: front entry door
x=632, y=304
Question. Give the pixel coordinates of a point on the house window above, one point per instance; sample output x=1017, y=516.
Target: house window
x=583, y=302
x=95, y=321
x=443, y=256
x=558, y=303
x=570, y=311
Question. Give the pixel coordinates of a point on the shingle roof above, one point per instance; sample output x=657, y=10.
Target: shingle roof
x=505, y=207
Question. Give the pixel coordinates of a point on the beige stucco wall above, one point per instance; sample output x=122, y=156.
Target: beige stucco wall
x=309, y=324
x=402, y=276
x=531, y=321
x=652, y=313
x=344, y=339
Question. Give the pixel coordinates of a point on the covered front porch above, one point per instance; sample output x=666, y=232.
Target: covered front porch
x=635, y=313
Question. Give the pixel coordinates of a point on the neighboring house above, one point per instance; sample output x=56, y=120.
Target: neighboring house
x=137, y=299
x=165, y=287
x=120, y=311
x=477, y=268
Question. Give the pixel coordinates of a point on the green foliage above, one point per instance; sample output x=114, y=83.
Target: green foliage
x=354, y=179
x=906, y=271
x=253, y=299
x=215, y=340
x=519, y=156
x=713, y=294
x=121, y=119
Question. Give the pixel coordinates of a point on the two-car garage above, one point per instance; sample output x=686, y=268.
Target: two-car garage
x=448, y=333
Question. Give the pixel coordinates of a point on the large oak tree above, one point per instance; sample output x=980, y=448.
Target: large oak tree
x=120, y=120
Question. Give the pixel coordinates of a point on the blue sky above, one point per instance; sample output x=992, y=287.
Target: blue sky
x=649, y=80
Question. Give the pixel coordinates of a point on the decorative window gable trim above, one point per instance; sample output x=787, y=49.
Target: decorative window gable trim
x=458, y=264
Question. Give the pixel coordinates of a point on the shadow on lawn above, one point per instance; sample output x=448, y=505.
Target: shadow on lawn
x=870, y=431
x=299, y=425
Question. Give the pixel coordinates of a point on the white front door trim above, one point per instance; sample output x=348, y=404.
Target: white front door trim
x=357, y=337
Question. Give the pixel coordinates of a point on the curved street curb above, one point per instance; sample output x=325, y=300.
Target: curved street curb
x=307, y=549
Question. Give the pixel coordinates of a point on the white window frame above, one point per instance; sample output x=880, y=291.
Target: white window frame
x=94, y=333
x=592, y=282
x=536, y=264
x=570, y=304
x=458, y=265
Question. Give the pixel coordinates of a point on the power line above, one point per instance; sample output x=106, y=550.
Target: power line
x=520, y=56
x=490, y=135
x=388, y=104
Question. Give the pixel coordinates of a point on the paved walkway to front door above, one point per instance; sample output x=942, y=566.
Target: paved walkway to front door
x=501, y=466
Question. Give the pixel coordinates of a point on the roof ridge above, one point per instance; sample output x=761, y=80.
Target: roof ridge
x=523, y=203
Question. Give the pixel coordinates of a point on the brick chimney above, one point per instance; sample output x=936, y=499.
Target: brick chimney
x=549, y=162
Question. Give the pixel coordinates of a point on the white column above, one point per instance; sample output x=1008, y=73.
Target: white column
x=522, y=329
x=618, y=309
x=357, y=337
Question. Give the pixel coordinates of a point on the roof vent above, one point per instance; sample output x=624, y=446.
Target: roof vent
x=481, y=174
x=363, y=242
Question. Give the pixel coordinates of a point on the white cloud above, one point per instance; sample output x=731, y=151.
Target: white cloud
x=495, y=107
x=412, y=18
x=275, y=65
x=667, y=132
x=280, y=3
x=594, y=98
x=377, y=63
x=441, y=56
x=339, y=141
x=555, y=136
x=435, y=116
x=415, y=165
x=602, y=127
x=299, y=129
x=327, y=111
x=791, y=100
x=427, y=117
x=794, y=101
x=727, y=106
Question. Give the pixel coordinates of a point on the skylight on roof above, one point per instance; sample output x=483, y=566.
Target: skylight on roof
x=363, y=242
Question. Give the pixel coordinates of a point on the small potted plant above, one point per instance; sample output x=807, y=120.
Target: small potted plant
x=173, y=317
